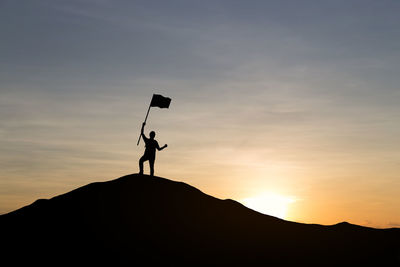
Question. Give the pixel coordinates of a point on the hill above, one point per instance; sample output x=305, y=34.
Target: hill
x=143, y=220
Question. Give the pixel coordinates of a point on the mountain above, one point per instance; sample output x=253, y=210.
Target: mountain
x=140, y=220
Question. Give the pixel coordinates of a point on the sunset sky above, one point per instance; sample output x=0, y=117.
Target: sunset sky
x=293, y=102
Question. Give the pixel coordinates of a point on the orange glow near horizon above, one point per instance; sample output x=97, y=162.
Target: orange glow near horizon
x=269, y=203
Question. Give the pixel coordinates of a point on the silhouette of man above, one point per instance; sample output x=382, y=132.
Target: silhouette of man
x=150, y=152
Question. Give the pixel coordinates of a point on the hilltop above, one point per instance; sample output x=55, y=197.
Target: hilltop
x=143, y=220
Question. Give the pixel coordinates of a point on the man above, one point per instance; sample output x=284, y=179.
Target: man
x=150, y=152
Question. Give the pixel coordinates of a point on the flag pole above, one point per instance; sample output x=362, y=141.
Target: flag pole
x=148, y=110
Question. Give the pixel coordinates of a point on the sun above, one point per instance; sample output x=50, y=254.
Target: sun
x=269, y=203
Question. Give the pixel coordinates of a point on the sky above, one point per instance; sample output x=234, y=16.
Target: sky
x=286, y=102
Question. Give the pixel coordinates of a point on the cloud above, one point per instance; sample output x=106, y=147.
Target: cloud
x=394, y=224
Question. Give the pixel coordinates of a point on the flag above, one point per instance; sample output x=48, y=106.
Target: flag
x=160, y=101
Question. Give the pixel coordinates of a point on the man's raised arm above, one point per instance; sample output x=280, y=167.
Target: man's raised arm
x=142, y=131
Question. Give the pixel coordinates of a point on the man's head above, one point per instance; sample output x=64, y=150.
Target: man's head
x=152, y=134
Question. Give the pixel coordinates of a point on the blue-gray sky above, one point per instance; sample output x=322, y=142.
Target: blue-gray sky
x=298, y=98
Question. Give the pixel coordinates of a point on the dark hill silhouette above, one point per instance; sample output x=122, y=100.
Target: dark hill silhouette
x=143, y=220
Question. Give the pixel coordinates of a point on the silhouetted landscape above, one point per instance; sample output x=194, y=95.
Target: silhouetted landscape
x=143, y=220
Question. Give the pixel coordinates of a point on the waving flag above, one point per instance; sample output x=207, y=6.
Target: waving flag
x=160, y=101
x=156, y=101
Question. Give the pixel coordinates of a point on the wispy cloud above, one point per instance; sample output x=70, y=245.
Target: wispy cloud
x=394, y=224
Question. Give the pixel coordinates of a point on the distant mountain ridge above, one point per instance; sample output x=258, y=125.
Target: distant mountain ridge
x=142, y=220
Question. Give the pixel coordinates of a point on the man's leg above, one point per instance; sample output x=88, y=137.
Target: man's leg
x=151, y=163
x=141, y=160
